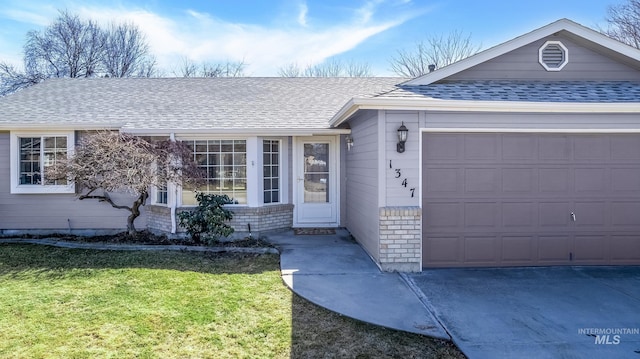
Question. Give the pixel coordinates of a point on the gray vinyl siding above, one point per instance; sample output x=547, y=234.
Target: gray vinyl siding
x=584, y=64
x=361, y=174
x=407, y=162
x=54, y=212
x=531, y=121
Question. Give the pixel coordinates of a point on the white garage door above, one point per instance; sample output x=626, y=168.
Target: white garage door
x=530, y=199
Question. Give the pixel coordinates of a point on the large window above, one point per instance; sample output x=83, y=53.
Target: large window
x=271, y=170
x=31, y=155
x=225, y=165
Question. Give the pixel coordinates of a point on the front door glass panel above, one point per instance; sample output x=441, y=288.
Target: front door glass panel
x=316, y=172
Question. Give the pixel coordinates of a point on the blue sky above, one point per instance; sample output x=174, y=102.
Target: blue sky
x=270, y=34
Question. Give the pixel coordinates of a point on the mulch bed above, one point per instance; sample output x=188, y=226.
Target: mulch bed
x=148, y=238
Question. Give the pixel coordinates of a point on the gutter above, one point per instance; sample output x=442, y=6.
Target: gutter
x=436, y=105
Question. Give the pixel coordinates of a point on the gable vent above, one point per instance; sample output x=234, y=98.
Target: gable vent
x=553, y=55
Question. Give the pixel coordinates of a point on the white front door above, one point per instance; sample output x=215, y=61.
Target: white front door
x=316, y=189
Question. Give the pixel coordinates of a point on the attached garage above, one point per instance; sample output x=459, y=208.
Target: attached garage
x=530, y=199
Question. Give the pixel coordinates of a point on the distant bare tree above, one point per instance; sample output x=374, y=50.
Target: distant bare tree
x=189, y=68
x=438, y=50
x=70, y=47
x=358, y=69
x=329, y=68
x=109, y=161
x=12, y=80
x=290, y=70
x=624, y=22
x=126, y=52
x=227, y=69
x=73, y=47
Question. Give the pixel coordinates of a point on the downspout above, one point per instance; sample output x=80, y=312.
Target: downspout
x=174, y=200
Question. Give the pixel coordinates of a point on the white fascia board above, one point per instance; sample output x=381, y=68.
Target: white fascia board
x=505, y=47
x=51, y=127
x=227, y=132
x=428, y=104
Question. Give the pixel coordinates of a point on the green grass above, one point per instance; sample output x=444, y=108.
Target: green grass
x=62, y=303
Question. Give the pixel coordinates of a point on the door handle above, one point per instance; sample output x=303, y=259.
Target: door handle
x=573, y=216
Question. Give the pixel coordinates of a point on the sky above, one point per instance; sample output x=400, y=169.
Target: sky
x=270, y=34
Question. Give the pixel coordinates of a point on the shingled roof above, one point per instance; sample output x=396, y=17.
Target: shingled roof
x=248, y=103
x=531, y=91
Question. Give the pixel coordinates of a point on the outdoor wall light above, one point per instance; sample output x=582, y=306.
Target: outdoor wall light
x=349, y=141
x=402, y=137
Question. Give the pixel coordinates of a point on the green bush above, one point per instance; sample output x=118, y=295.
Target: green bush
x=206, y=223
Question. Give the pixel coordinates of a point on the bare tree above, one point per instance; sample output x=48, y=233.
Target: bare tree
x=190, y=68
x=70, y=47
x=73, y=47
x=12, y=80
x=107, y=161
x=439, y=51
x=330, y=68
x=227, y=69
x=624, y=22
x=290, y=70
x=126, y=52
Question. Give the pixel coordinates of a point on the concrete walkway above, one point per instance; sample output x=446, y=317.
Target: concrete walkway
x=333, y=271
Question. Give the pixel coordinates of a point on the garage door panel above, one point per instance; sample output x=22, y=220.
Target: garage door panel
x=625, y=181
x=625, y=213
x=624, y=249
x=442, y=147
x=591, y=215
x=554, y=148
x=520, y=147
x=480, y=180
x=590, y=249
x=481, y=147
x=553, y=181
x=519, y=215
x=591, y=148
x=508, y=199
x=481, y=249
x=625, y=148
x=518, y=181
x=518, y=249
x=554, y=214
x=443, y=215
x=480, y=215
x=443, y=250
x=553, y=249
x=443, y=181
x=590, y=181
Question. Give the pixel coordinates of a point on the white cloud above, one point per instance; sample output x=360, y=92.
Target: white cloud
x=203, y=38
x=302, y=15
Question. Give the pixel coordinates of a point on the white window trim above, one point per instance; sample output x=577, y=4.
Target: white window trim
x=14, y=153
x=564, y=50
x=282, y=171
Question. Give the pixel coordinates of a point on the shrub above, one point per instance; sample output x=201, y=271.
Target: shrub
x=206, y=223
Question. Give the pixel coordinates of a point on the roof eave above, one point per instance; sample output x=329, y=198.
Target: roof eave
x=437, y=105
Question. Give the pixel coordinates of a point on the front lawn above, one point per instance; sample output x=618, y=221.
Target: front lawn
x=62, y=303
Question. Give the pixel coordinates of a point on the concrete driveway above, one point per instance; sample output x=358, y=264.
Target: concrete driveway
x=553, y=312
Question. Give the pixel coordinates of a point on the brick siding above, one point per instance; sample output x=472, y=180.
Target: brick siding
x=262, y=219
x=400, y=231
